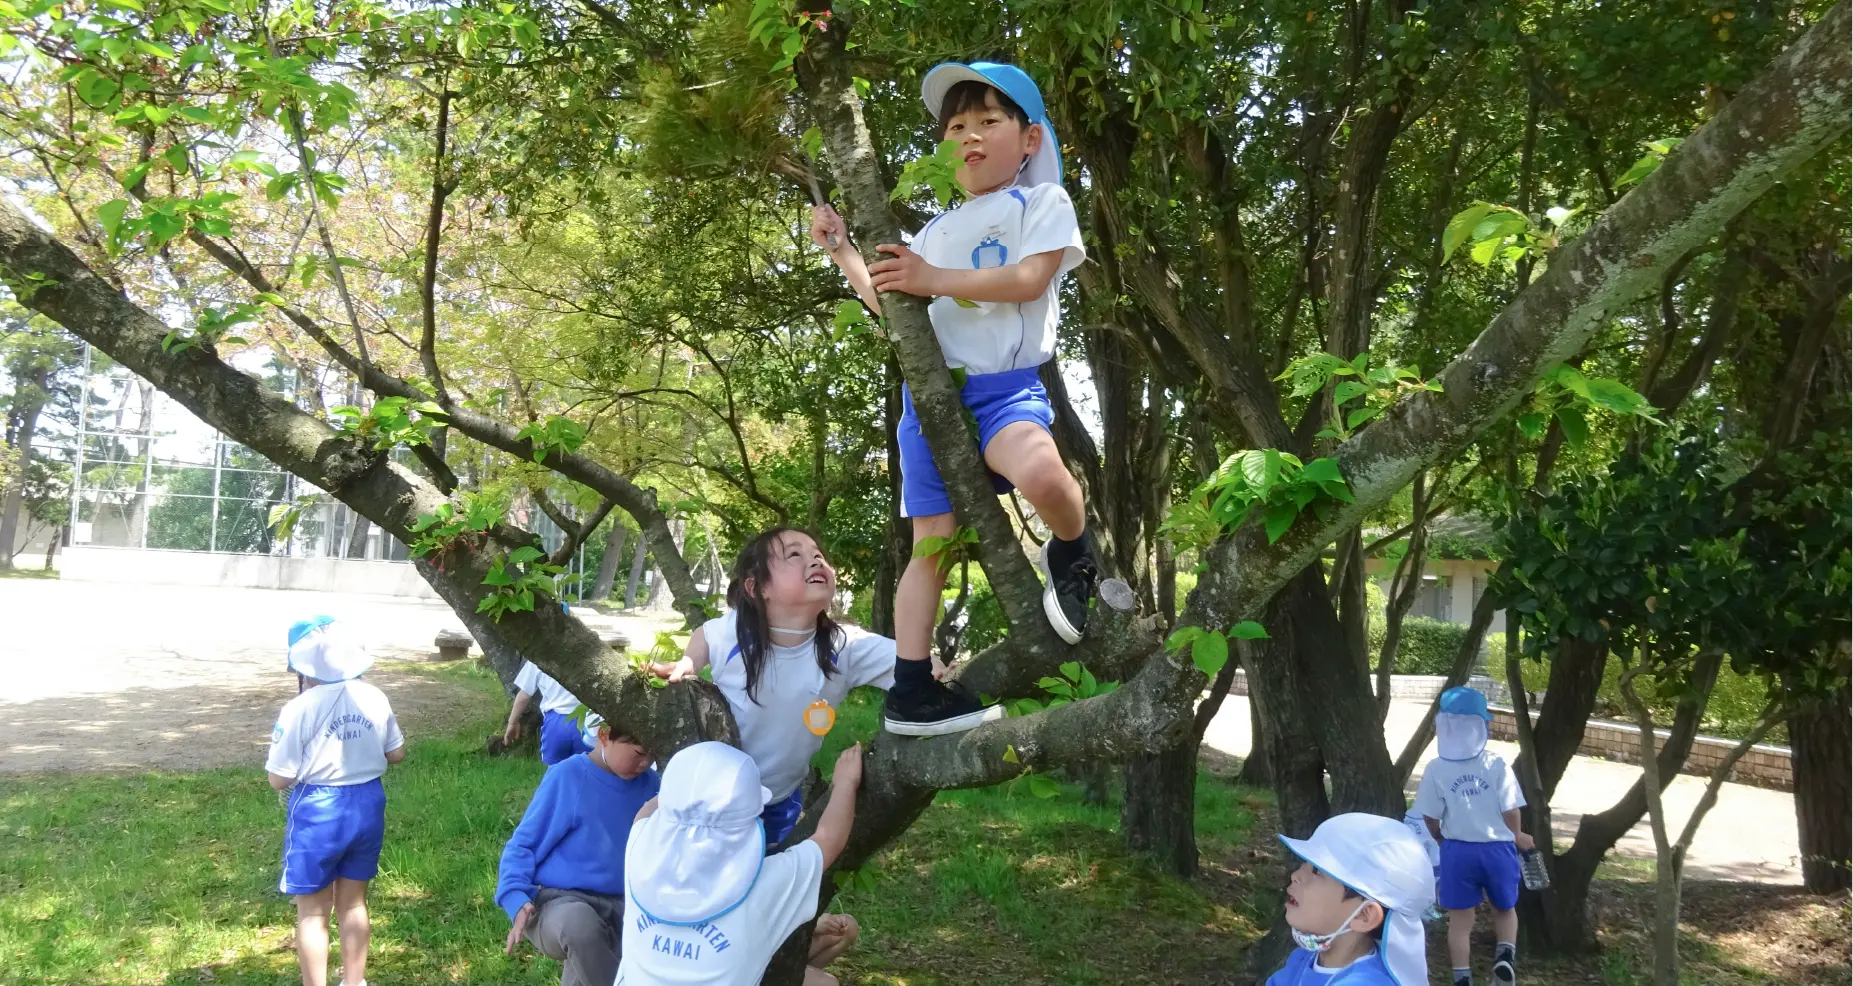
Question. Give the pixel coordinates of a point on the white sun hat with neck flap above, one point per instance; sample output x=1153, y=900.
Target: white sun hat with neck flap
x=321, y=648
x=1045, y=166
x=1381, y=859
x=699, y=855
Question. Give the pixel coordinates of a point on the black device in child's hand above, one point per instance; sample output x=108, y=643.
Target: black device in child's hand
x=1531, y=864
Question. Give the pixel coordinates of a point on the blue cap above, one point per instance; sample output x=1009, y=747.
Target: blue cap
x=1046, y=166
x=301, y=628
x=1464, y=701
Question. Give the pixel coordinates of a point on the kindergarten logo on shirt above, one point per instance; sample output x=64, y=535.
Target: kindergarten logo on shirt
x=1468, y=786
x=713, y=941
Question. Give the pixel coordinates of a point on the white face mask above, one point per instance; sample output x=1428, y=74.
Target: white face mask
x=1319, y=943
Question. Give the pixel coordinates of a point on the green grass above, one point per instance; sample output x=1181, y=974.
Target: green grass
x=171, y=878
x=28, y=572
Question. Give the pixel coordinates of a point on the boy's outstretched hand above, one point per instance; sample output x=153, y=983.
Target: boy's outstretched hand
x=684, y=668
x=848, y=774
x=826, y=223
x=520, y=929
x=904, y=271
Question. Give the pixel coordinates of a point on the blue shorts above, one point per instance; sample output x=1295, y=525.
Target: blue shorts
x=332, y=832
x=1468, y=868
x=780, y=817
x=996, y=400
x=560, y=737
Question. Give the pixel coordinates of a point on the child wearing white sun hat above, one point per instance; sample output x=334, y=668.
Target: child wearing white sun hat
x=328, y=750
x=1377, y=941
x=705, y=905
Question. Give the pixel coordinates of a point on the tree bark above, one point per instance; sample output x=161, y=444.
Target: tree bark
x=897, y=533
x=1403, y=590
x=1821, y=738
x=636, y=577
x=1158, y=815
x=30, y=387
x=608, y=562
x=661, y=595
x=357, y=537
x=1569, y=697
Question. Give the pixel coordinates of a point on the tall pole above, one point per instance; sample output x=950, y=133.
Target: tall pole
x=218, y=459
x=77, y=464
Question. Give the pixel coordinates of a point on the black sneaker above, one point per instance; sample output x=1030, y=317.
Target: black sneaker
x=1504, y=974
x=934, y=709
x=1066, y=594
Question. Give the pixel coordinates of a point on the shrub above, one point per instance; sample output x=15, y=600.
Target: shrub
x=1427, y=646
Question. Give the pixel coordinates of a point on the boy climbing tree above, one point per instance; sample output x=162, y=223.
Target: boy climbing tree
x=993, y=268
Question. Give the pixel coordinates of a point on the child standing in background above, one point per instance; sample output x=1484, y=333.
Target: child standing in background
x=1469, y=798
x=328, y=750
x=993, y=268
x=559, y=736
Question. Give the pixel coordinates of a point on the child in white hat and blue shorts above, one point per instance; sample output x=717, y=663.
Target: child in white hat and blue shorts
x=328, y=750
x=1470, y=800
x=993, y=268
x=1355, y=905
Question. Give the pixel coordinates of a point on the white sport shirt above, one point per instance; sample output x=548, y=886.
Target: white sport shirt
x=992, y=230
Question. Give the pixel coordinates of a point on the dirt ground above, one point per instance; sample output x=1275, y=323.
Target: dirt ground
x=105, y=677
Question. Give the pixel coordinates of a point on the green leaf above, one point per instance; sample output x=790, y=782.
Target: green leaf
x=1558, y=215
x=1043, y=787
x=1575, y=427
x=1348, y=389
x=1010, y=755
x=812, y=143
x=110, y=214
x=1485, y=250
x=962, y=303
x=1209, y=652
x=1321, y=471
x=1183, y=637
x=1460, y=226
x=1248, y=630
x=524, y=554
x=1532, y=425
x=1361, y=415
x=1280, y=516
x=1071, y=670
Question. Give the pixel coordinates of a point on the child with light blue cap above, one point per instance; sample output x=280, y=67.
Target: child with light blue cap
x=993, y=268
x=1355, y=905
x=1470, y=799
x=328, y=750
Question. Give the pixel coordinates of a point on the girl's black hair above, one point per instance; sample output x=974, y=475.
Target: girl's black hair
x=752, y=628
x=971, y=95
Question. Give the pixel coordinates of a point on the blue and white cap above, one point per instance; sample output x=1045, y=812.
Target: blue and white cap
x=699, y=855
x=1045, y=166
x=1460, y=724
x=321, y=648
x=1379, y=858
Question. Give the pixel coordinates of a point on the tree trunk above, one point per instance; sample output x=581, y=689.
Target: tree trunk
x=33, y=383
x=51, y=546
x=608, y=562
x=1403, y=589
x=1821, y=738
x=138, y=521
x=897, y=534
x=820, y=466
x=1569, y=697
x=357, y=538
x=661, y=599
x=1159, y=812
x=636, y=579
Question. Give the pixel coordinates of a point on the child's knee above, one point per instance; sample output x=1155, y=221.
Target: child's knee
x=1047, y=481
x=934, y=526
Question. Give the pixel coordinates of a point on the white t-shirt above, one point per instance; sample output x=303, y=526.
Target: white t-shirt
x=992, y=230
x=733, y=949
x=553, y=696
x=1469, y=797
x=336, y=734
x=774, y=730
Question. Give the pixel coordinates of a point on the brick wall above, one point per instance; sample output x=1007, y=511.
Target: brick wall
x=1764, y=766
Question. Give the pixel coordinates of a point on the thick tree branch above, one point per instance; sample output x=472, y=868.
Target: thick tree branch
x=434, y=230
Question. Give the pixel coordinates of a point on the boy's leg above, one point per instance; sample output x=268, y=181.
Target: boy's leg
x=1505, y=947
x=356, y=927
x=916, y=598
x=572, y=931
x=918, y=704
x=1024, y=453
x=1460, y=941
x=312, y=935
x=1503, y=874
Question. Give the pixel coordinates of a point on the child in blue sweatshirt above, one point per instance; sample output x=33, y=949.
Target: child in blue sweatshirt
x=561, y=879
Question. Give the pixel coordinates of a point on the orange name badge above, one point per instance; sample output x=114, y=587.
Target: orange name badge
x=819, y=717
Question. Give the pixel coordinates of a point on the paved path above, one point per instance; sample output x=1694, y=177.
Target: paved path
x=101, y=676
x=1749, y=835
